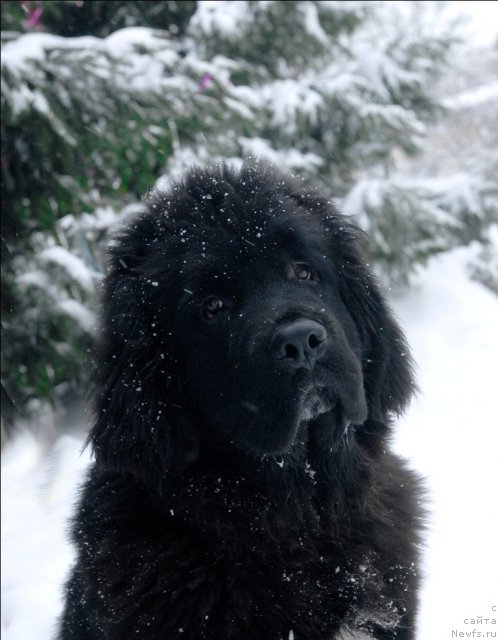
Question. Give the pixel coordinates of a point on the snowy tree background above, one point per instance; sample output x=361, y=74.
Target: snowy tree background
x=386, y=105
x=344, y=92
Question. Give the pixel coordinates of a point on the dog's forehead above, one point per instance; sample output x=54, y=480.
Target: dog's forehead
x=229, y=251
x=226, y=224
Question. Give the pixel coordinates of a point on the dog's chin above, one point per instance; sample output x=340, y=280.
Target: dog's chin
x=275, y=435
x=272, y=439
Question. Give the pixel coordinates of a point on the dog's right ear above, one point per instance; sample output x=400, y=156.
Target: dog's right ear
x=388, y=366
x=144, y=422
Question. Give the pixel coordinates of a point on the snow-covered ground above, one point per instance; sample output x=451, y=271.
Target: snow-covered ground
x=450, y=434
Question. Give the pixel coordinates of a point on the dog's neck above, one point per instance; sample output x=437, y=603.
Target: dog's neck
x=306, y=489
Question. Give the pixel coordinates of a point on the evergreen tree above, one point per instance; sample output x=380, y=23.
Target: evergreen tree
x=336, y=90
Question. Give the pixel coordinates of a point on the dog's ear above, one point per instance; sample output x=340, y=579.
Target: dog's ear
x=387, y=364
x=143, y=423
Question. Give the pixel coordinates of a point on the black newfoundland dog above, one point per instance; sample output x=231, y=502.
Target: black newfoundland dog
x=243, y=487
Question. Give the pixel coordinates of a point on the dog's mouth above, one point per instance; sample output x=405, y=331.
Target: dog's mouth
x=316, y=397
x=316, y=400
x=321, y=398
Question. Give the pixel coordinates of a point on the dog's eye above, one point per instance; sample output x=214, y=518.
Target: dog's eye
x=211, y=306
x=303, y=271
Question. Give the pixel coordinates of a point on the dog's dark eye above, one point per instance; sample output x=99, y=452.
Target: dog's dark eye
x=303, y=271
x=211, y=307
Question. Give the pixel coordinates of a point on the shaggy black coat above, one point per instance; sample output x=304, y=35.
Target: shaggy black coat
x=243, y=487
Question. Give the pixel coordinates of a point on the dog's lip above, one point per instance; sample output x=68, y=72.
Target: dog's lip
x=345, y=423
x=316, y=400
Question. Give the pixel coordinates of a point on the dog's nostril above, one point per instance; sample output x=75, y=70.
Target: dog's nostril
x=314, y=341
x=291, y=351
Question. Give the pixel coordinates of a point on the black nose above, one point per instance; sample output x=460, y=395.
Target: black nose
x=299, y=344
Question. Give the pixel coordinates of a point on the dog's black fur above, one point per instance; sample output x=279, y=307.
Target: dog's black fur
x=243, y=487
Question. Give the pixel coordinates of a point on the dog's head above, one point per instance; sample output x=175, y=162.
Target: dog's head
x=238, y=308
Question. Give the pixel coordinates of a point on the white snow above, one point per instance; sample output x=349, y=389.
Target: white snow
x=15, y=54
x=74, y=266
x=450, y=435
x=480, y=19
x=38, y=489
x=34, y=46
x=288, y=99
x=473, y=97
x=133, y=60
x=221, y=16
x=312, y=22
x=119, y=43
x=261, y=148
x=78, y=312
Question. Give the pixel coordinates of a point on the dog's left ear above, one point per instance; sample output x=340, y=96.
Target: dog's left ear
x=387, y=363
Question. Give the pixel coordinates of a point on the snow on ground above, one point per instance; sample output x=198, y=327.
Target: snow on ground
x=38, y=490
x=450, y=435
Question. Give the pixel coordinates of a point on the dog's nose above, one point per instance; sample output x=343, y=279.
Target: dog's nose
x=299, y=344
